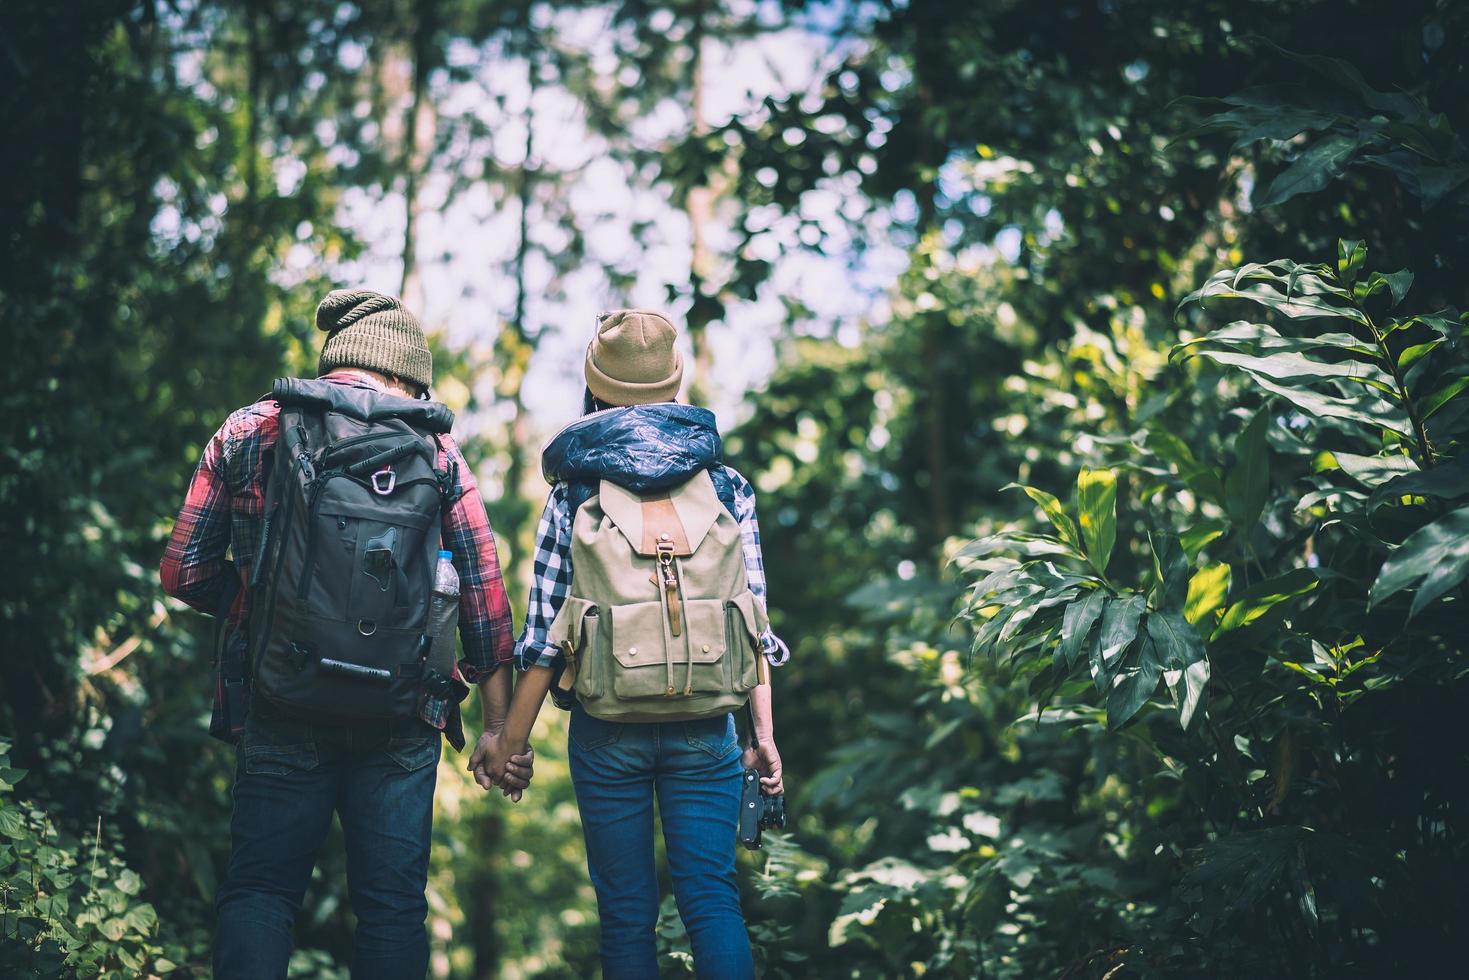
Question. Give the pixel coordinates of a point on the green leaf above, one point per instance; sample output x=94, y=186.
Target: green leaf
x=1207, y=591
x=1200, y=478
x=1363, y=409
x=1436, y=556
x=1288, y=367
x=1350, y=256
x=1266, y=597
x=1318, y=165
x=1170, y=571
x=1177, y=643
x=141, y=918
x=1193, y=681
x=1118, y=630
x=1446, y=481
x=1096, y=496
x=1397, y=284
x=1299, y=292
x=12, y=824
x=1076, y=624
x=1412, y=355
x=1261, y=338
x=1249, y=480
x=1054, y=513
x=1443, y=396
x=1135, y=684
x=129, y=883
x=1186, y=667
x=1197, y=538
x=1373, y=470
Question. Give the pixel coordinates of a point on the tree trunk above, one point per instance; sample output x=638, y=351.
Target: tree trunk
x=697, y=207
x=418, y=140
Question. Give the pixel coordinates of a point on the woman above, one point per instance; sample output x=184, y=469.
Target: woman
x=618, y=767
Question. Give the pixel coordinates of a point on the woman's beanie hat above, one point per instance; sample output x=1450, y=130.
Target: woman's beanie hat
x=373, y=331
x=632, y=361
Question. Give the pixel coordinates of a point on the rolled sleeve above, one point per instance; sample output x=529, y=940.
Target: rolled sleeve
x=193, y=565
x=486, y=628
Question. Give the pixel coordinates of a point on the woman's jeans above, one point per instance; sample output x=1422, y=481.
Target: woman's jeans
x=290, y=776
x=694, y=770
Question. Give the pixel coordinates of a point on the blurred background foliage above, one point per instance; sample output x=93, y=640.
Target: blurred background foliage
x=1191, y=701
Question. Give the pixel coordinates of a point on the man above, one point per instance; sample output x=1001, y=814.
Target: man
x=295, y=768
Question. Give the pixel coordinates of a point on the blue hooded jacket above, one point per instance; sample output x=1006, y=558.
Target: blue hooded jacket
x=645, y=448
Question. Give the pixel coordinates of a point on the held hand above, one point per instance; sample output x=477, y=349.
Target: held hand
x=494, y=765
x=765, y=758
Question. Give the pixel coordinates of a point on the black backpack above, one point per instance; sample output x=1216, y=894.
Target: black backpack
x=343, y=576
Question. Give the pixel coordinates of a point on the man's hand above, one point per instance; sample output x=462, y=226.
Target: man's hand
x=493, y=765
x=765, y=758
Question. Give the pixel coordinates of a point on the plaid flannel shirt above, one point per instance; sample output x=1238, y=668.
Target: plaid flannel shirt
x=222, y=513
x=552, y=581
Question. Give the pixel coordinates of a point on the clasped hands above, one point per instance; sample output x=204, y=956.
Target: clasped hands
x=494, y=764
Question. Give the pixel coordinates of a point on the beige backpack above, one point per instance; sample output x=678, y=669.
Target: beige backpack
x=660, y=623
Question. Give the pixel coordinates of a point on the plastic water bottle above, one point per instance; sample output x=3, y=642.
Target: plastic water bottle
x=443, y=613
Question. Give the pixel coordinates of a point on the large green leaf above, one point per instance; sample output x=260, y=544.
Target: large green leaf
x=1135, y=683
x=1116, y=633
x=1291, y=367
x=1263, y=338
x=1350, y=257
x=1054, y=512
x=1296, y=291
x=1363, y=409
x=1269, y=597
x=1186, y=667
x=1443, y=396
x=1170, y=571
x=1207, y=591
x=1435, y=556
x=1248, y=482
x=1446, y=481
x=1203, y=480
x=1096, y=497
x=1373, y=470
x=1318, y=165
x=1076, y=624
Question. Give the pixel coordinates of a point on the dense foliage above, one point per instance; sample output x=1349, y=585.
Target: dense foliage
x=1122, y=548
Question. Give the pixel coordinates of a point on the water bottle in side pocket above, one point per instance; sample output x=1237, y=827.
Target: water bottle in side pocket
x=443, y=615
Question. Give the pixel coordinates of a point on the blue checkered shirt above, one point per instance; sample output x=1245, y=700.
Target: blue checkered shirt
x=552, y=579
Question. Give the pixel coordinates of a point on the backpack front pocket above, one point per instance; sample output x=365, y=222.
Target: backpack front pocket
x=649, y=661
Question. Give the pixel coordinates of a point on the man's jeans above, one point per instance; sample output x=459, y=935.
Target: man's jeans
x=290, y=776
x=694, y=770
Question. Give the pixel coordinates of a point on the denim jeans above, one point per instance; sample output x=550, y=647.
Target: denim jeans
x=693, y=768
x=290, y=776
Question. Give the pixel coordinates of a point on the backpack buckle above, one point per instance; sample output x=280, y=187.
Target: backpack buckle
x=383, y=481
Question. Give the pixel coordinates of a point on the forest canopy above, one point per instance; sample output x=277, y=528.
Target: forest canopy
x=1099, y=364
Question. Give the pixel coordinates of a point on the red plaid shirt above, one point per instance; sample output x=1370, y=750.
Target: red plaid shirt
x=222, y=512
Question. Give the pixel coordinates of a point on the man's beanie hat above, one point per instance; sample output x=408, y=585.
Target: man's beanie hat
x=632, y=361
x=370, y=330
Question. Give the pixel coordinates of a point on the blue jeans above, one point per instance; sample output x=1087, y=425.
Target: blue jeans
x=693, y=768
x=290, y=776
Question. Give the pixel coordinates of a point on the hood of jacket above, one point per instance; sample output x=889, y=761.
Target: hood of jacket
x=645, y=448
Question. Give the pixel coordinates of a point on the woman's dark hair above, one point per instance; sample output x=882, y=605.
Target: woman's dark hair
x=590, y=403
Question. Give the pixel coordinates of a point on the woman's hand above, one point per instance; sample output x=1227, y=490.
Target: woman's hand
x=765, y=758
x=493, y=764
